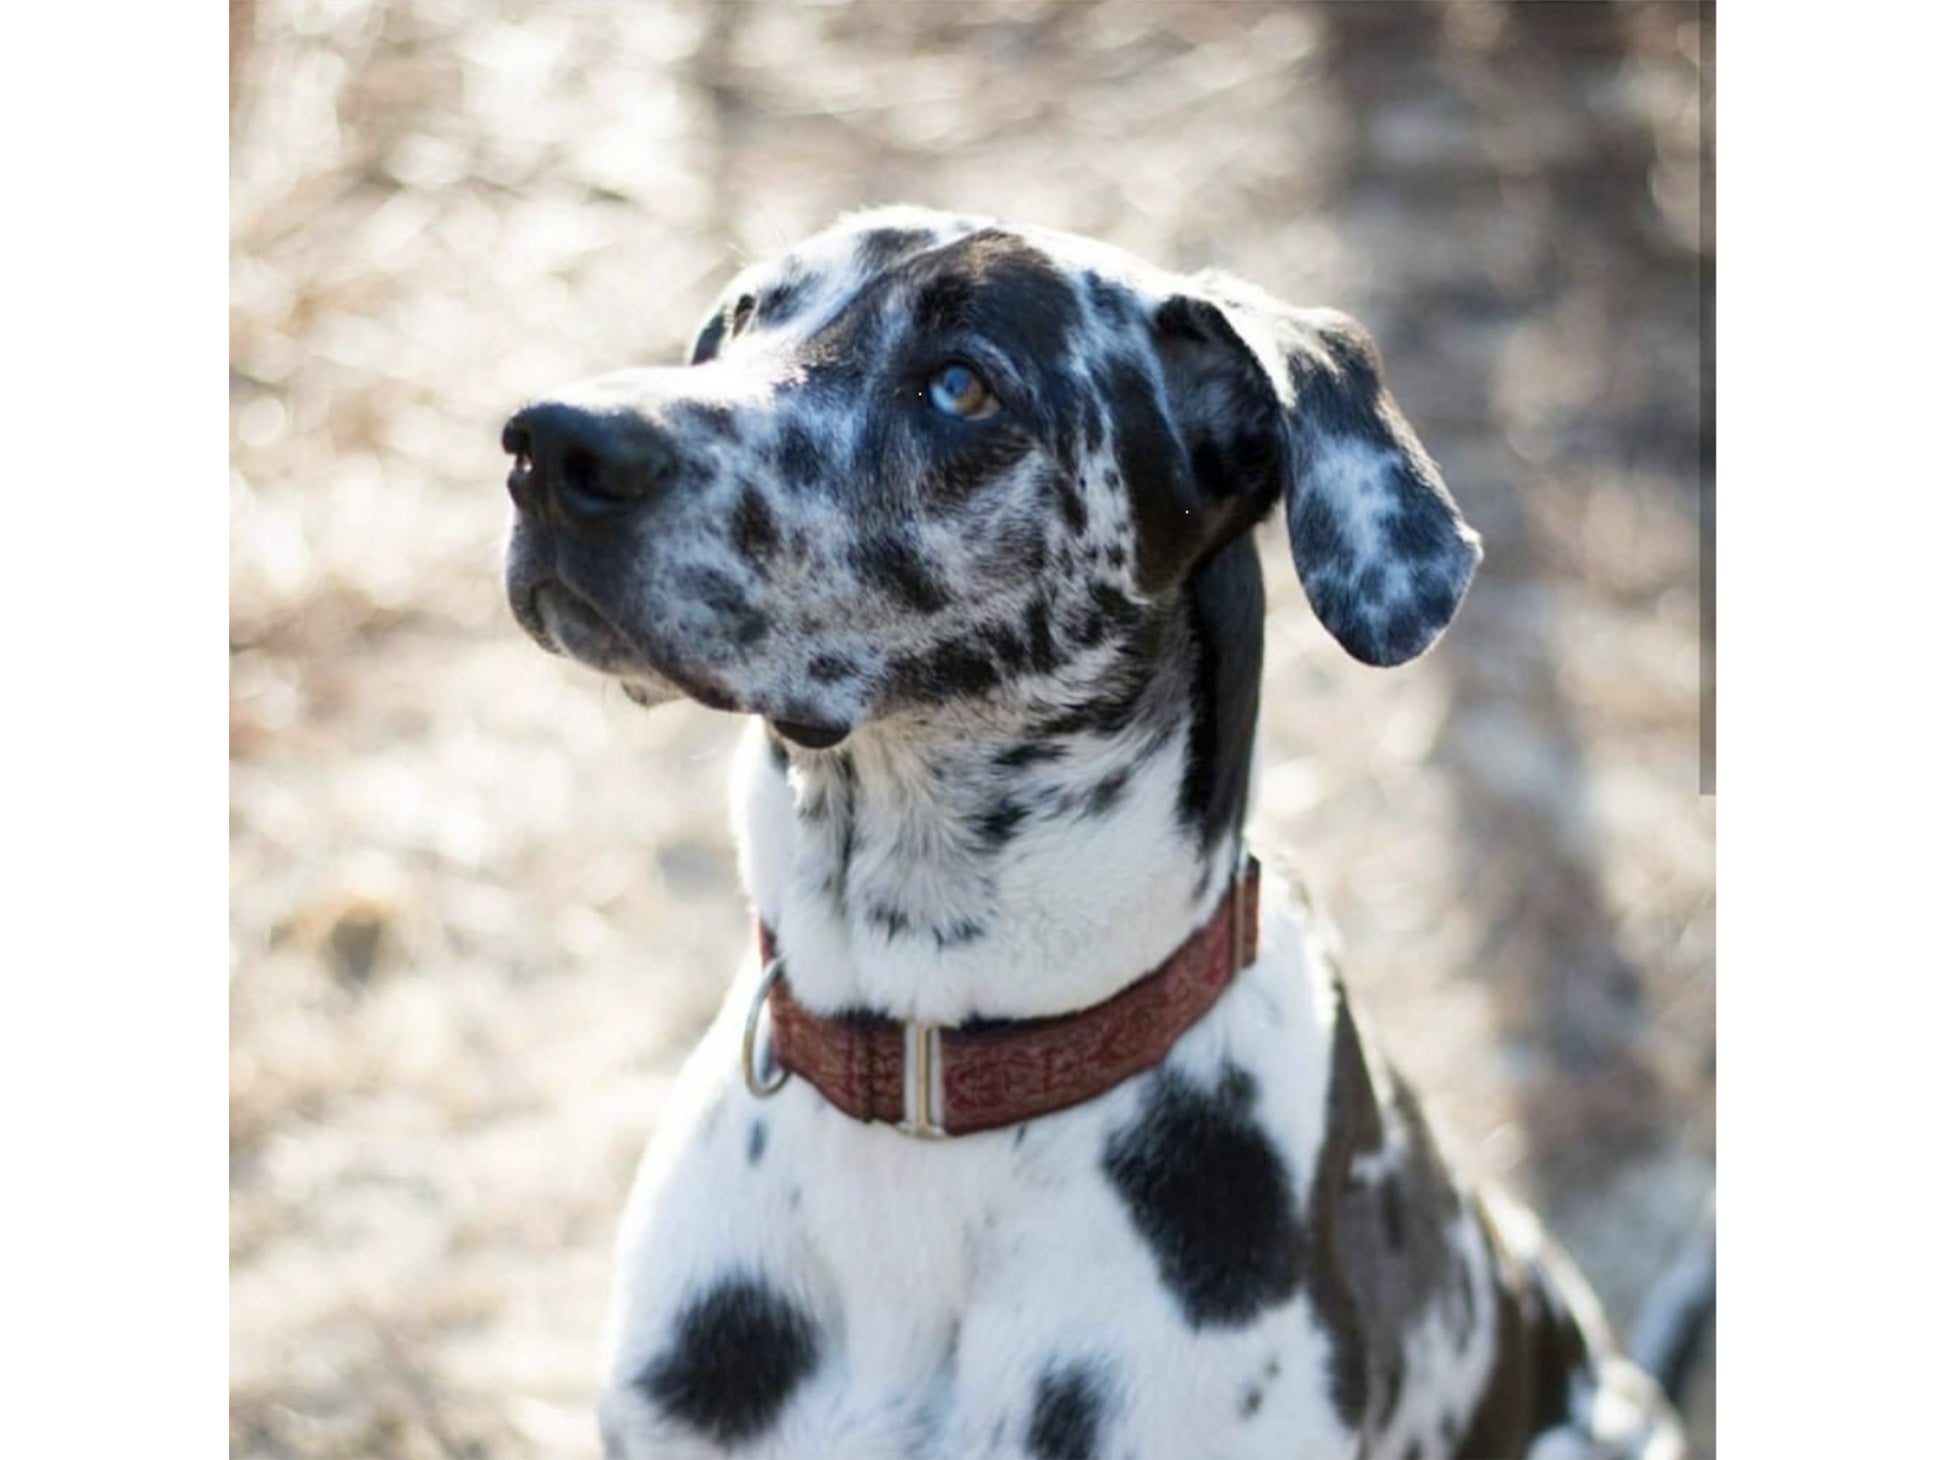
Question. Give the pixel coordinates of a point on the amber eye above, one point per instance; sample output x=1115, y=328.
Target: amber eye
x=956, y=390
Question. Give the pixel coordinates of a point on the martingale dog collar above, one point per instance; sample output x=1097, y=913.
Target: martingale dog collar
x=934, y=1081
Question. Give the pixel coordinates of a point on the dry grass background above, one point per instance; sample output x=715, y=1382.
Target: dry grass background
x=481, y=904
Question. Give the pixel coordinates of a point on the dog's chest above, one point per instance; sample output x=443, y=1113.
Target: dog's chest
x=1120, y=1278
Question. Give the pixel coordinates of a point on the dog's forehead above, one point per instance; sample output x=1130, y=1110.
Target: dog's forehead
x=816, y=279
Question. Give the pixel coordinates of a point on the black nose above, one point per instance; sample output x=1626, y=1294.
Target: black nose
x=588, y=464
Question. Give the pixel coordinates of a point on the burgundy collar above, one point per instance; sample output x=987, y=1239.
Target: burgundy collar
x=936, y=1081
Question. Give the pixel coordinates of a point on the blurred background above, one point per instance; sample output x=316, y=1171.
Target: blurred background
x=481, y=904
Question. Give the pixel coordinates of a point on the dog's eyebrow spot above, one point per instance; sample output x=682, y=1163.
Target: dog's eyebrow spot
x=1069, y=1401
x=998, y=285
x=740, y=1350
x=884, y=246
x=1211, y=1196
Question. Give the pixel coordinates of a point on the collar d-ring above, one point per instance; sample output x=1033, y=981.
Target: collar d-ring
x=763, y=1089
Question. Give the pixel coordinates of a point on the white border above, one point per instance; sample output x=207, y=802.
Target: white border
x=1830, y=535
x=112, y=1043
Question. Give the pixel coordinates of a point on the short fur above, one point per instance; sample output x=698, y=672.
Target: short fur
x=1006, y=673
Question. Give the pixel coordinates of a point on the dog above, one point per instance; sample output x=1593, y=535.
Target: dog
x=1041, y=1126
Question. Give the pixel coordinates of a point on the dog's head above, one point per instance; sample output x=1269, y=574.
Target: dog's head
x=923, y=461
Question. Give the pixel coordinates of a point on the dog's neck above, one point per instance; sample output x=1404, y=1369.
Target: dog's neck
x=992, y=865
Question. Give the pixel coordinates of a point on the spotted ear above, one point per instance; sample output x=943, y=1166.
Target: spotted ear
x=1381, y=549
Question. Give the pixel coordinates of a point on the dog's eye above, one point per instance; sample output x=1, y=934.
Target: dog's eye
x=740, y=316
x=957, y=390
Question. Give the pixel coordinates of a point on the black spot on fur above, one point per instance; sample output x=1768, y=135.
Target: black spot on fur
x=753, y=528
x=1254, y=1392
x=1107, y=793
x=798, y=460
x=754, y=1152
x=739, y=1352
x=780, y=304
x=964, y=456
x=1042, y=651
x=891, y=561
x=1074, y=507
x=1212, y=1197
x=1067, y=1418
x=1122, y=693
x=994, y=285
x=883, y=246
x=715, y=419
x=829, y=668
x=1000, y=824
x=1318, y=539
x=1029, y=753
x=888, y=920
x=1418, y=529
x=709, y=339
x=714, y=590
x=959, y=933
x=952, y=669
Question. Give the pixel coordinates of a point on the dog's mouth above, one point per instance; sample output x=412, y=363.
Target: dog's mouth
x=562, y=622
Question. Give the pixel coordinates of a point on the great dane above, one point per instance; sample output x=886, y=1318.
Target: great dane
x=1041, y=1126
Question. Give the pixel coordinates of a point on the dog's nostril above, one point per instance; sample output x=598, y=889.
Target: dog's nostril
x=515, y=441
x=581, y=475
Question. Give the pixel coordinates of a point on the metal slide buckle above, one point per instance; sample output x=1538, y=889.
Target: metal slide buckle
x=922, y=1057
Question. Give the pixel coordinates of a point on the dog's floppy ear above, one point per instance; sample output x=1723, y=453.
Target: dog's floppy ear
x=1381, y=549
